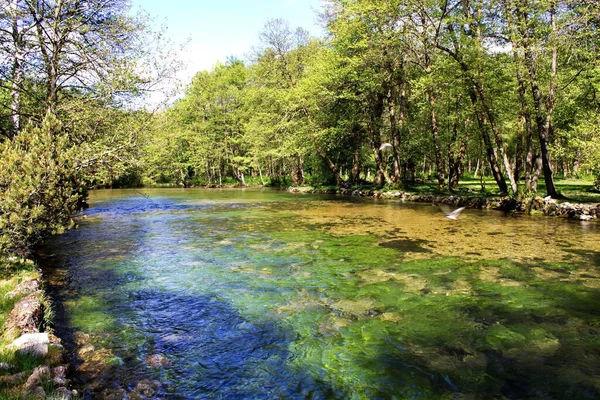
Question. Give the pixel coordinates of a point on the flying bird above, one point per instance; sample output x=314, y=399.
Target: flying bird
x=384, y=145
x=454, y=214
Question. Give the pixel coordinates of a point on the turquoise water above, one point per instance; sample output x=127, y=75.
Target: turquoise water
x=264, y=294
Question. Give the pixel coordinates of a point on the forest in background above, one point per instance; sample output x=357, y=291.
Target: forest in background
x=398, y=91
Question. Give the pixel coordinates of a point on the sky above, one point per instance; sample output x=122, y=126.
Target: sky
x=217, y=29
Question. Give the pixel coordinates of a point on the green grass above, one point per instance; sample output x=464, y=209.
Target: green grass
x=574, y=190
x=13, y=273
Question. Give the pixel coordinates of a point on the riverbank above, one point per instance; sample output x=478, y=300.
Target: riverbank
x=533, y=205
x=32, y=359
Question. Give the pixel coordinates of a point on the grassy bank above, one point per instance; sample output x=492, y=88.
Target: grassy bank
x=574, y=190
x=18, y=367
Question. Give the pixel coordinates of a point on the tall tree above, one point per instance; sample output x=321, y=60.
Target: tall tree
x=281, y=41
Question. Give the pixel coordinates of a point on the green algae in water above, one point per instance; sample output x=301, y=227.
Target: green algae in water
x=365, y=320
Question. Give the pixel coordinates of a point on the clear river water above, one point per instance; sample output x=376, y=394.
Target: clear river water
x=261, y=294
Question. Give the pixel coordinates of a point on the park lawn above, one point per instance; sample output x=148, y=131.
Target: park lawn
x=574, y=190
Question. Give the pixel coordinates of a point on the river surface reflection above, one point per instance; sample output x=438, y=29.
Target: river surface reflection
x=265, y=294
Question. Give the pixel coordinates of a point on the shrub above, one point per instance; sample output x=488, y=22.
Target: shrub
x=41, y=186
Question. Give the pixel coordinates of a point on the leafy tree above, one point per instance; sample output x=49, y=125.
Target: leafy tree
x=41, y=186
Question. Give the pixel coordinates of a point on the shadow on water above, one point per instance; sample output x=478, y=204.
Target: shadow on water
x=120, y=333
x=592, y=256
x=204, y=347
x=535, y=341
x=216, y=352
x=407, y=245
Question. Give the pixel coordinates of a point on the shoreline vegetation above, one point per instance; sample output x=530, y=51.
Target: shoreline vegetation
x=33, y=363
x=579, y=199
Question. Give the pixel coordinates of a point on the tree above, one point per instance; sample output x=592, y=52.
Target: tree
x=283, y=47
x=41, y=186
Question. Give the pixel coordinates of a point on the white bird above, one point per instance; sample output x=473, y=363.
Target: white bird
x=384, y=145
x=454, y=214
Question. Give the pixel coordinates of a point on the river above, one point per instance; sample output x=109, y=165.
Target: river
x=254, y=293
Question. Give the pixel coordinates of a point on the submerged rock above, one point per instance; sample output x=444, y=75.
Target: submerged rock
x=145, y=389
x=65, y=394
x=390, y=316
x=114, y=394
x=157, y=361
x=356, y=308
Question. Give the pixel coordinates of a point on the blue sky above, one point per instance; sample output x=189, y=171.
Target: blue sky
x=216, y=29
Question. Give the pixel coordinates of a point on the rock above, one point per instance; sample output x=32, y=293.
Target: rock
x=59, y=375
x=145, y=389
x=24, y=288
x=37, y=377
x=59, y=381
x=61, y=370
x=32, y=343
x=26, y=315
x=11, y=380
x=157, y=361
x=64, y=394
x=5, y=366
x=114, y=394
x=36, y=393
x=585, y=217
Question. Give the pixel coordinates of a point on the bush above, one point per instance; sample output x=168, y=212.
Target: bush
x=597, y=184
x=131, y=178
x=41, y=186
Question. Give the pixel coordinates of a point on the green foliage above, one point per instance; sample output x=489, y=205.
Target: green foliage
x=40, y=186
x=439, y=83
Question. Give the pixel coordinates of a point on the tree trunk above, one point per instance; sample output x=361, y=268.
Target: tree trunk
x=374, y=133
x=490, y=150
x=455, y=163
x=473, y=88
x=543, y=119
x=391, y=102
x=537, y=173
x=497, y=137
x=334, y=169
x=17, y=71
x=297, y=171
x=356, y=163
x=432, y=111
x=525, y=133
x=436, y=141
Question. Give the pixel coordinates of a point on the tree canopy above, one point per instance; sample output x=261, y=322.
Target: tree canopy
x=502, y=87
